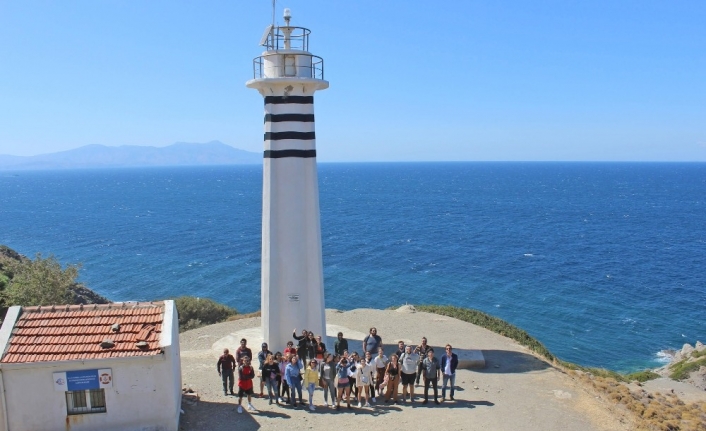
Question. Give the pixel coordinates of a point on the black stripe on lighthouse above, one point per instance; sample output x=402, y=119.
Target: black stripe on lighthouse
x=279, y=118
x=279, y=154
x=278, y=136
x=285, y=134
x=279, y=100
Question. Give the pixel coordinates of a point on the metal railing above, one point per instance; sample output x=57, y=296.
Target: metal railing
x=298, y=39
x=314, y=68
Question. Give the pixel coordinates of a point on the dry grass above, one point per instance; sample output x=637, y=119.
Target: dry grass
x=653, y=412
x=243, y=316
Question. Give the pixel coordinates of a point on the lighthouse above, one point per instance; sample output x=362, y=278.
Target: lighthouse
x=287, y=75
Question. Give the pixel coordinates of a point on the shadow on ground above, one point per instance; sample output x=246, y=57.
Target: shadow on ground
x=508, y=361
x=458, y=404
x=206, y=415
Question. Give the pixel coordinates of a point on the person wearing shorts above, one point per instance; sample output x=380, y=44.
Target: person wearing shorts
x=342, y=372
x=246, y=373
x=408, y=371
x=364, y=382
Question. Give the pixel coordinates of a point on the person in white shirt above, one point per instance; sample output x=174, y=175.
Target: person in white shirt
x=364, y=379
x=408, y=368
x=380, y=362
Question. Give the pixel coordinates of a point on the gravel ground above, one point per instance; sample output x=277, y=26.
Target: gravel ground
x=515, y=391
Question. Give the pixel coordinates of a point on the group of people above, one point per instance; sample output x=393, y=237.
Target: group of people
x=342, y=374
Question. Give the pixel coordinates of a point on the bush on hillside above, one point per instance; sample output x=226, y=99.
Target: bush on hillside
x=28, y=282
x=492, y=323
x=195, y=312
x=683, y=368
x=38, y=282
x=642, y=376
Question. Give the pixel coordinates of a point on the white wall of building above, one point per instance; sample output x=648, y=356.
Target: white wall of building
x=146, y=392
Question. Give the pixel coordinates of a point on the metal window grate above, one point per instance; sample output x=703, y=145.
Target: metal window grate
x=83, y=402
x=97, y=397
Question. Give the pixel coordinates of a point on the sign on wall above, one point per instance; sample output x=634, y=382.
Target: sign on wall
x=81, y=380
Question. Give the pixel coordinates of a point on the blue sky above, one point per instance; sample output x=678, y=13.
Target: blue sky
x=413, y=80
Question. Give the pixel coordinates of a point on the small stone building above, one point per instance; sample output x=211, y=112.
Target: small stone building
x=90, y=367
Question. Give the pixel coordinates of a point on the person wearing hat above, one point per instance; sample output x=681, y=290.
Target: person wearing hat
x=311, y=381
x=261, y=356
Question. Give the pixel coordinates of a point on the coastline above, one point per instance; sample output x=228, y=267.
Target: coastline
x=517, y=389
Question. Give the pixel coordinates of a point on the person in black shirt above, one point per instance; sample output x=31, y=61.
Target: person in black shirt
x=261, y=357
x=301, y=347
x=310, y=347
x=225, y=367
x=422, y=350
x=340, y=345
x=400, y=349
x=270, y=372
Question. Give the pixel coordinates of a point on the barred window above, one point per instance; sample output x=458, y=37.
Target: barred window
x=88, y=401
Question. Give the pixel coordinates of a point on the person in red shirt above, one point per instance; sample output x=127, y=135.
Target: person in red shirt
x=290, y=348
x=246, y=373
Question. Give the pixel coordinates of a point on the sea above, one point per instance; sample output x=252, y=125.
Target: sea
x=604, y=263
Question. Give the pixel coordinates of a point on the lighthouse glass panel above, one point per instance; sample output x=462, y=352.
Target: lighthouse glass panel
x=290, y=68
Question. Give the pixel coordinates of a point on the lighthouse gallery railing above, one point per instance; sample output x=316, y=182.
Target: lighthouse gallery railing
x=312, y=69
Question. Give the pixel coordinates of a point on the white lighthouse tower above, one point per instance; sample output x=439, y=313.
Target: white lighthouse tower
x=287, y=75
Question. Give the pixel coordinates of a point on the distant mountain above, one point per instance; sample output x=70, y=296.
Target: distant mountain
x=101, y=156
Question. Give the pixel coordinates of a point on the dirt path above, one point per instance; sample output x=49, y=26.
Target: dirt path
x=515, y=391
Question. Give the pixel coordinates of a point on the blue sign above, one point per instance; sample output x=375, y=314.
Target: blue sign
x=82, y=380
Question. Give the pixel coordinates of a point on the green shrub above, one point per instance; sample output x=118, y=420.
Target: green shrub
x=506, y=329
x=682, y=369
x=642, y=376
x=196, y=312
x=698, y=354
x=491, y=323
x=40, y=282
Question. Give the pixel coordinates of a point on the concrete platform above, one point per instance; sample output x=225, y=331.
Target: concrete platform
x=467, y=359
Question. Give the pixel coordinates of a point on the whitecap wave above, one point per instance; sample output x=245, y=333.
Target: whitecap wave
x=664, y=356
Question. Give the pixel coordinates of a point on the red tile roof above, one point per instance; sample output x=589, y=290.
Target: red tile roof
x=66, y=333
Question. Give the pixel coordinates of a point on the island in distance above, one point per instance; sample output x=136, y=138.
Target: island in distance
x=101, y=156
